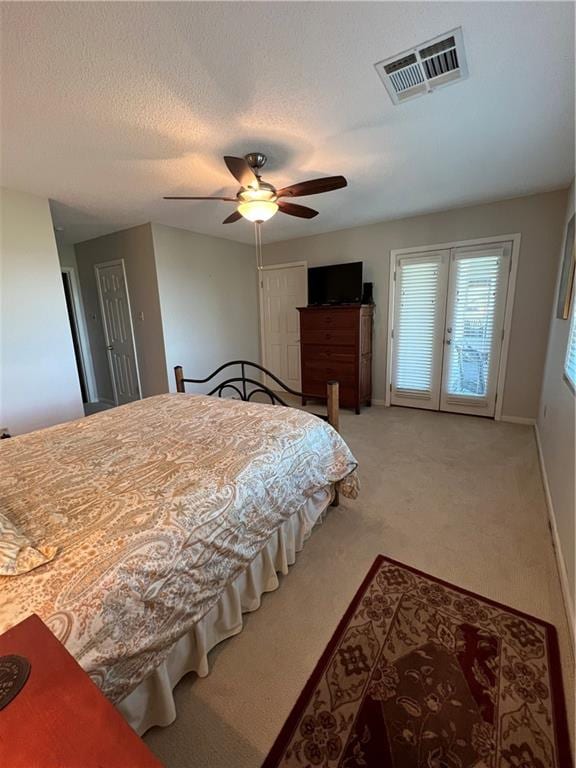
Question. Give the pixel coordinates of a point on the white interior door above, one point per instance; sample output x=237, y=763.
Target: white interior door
x=118, y=332
x=420, y=284
x=283, y=289
x=448, y=328
x=477, y=291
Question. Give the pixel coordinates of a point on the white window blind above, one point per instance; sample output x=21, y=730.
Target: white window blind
x=475, y=297
x=570, y=364
x=416, y=326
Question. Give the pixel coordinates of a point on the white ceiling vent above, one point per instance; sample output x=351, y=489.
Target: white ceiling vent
x=422, y=69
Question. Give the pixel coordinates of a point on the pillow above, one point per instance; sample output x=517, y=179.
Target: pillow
x=17, y=555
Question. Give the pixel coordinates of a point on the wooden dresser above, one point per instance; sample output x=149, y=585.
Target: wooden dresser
x=336, y=344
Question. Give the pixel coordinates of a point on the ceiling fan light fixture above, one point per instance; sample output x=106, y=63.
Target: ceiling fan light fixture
x=264, y=192
x=258, y=210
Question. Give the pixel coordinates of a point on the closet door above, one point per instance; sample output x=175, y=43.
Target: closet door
x=418, y=330
x=477, y=293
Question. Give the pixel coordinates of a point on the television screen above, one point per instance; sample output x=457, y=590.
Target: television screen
x=337, y=284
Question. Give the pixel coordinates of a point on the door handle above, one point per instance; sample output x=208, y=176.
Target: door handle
x=110, y=347
x=448, y=341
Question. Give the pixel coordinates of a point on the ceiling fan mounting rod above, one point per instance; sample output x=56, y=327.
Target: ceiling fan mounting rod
x=256, y=161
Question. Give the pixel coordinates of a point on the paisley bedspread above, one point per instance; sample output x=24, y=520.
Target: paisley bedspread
x=154, y=506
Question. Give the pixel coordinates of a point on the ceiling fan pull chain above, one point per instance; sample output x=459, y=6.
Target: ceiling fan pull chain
x=259, y=225
x=258, y=238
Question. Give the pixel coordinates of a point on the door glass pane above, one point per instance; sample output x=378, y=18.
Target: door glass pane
x=472, y=331
x=415, y=341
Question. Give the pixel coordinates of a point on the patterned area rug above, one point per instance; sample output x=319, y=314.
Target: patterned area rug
x=423, y=674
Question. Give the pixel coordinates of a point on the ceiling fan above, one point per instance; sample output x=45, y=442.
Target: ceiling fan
x=258, y=200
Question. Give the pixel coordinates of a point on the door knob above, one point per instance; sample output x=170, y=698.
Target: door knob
x=448, y=341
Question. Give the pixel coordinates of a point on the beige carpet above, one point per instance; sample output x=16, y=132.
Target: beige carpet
x=455, y=496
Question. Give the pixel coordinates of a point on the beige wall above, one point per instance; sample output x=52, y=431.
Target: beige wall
x=66, y=253
x=557, y=431
x=537, y=217
x=38, y=378
x=135, y=247
x=208, y=296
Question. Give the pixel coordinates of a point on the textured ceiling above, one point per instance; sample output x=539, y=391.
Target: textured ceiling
x=106, y=107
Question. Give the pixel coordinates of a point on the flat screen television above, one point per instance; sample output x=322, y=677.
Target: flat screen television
x=336, y=284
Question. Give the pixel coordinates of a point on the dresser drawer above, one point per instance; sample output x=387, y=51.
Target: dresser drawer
x=347, y=396
x=343, y=337
x=320, y=370
x=331, y=355
x=329, y=319
x=347, y=393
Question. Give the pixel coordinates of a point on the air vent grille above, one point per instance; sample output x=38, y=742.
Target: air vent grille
x=440, y=58
x=434, y=50
x=406, y=77
x=407, y=61
x=425, y=68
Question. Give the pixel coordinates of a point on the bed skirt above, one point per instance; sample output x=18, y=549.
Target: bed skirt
x=152, y=702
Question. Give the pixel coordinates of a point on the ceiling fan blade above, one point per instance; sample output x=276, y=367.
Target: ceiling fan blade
x=228, y=199
x=241, y=171
x=233, y=217
x=313, y=187
x=297, y=210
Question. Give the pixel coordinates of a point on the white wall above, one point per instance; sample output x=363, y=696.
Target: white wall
x=537, y=217
x=135, y=247
x=557, y=432
x=38, y=378
x=208, y=299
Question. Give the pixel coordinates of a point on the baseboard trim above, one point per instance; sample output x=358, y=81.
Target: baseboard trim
x=518, y=420
x=560, y=562
x=509, y=419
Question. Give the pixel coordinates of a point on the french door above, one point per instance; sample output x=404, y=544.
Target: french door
x=448, y=327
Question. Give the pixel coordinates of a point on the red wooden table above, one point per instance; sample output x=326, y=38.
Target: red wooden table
x=60, y=719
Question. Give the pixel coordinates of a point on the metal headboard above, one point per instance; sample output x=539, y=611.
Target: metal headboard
x=239, y=384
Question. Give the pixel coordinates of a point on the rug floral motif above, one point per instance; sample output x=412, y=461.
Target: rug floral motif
x=423, y=674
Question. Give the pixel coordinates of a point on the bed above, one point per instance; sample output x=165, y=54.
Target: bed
x=171, y=516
